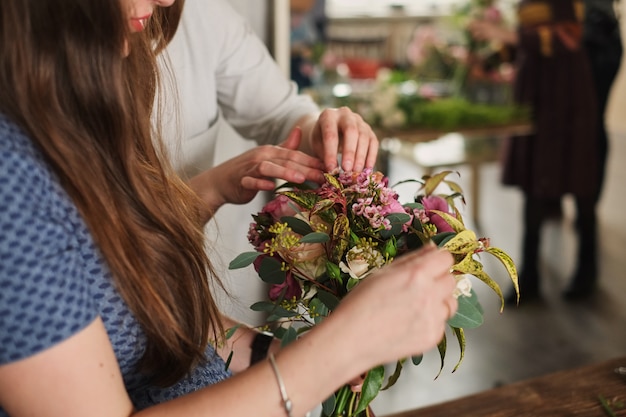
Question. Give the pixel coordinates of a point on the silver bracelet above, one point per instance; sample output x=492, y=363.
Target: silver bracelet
x=281, y=386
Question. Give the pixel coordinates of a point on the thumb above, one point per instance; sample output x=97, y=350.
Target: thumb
x=293, y=140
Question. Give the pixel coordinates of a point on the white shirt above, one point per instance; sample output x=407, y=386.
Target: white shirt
x=222, y=69
x=228, y=87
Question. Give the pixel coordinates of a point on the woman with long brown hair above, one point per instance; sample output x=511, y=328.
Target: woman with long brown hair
x=106, y=304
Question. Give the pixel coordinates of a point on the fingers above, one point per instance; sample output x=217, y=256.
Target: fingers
x=343, y=131
x=278, y=162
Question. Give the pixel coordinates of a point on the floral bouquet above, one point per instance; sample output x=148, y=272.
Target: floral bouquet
x=314, y=245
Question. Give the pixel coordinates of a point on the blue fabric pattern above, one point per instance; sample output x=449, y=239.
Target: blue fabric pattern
x=54, y=281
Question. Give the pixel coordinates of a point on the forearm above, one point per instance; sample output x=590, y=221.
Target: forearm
x=309, y=376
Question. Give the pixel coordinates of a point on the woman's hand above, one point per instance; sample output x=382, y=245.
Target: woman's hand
x=238, y=180
x=402, y=309
x=340, y=131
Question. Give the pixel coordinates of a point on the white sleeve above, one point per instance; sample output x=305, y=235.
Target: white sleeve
x=223, y=53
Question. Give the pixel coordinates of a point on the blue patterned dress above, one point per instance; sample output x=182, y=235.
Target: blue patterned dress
x=54, y=281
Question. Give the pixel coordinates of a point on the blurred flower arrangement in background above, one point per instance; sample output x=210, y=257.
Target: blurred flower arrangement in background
x=313, y=245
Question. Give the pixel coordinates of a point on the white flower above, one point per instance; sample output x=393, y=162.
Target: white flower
x=361, y=261
x=463, y=286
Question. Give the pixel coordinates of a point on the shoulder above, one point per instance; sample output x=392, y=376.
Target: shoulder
x=44, y=297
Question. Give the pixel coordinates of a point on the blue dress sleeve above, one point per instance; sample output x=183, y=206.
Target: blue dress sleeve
x=44, y=296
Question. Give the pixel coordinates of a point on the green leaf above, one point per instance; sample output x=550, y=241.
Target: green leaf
x=442, y=347
x=441, y=239
x=333, y=271
x=315, y=237
x=431, y=183
x=321, y=206
x=352, y=282
x=508, y=264
x=281, y=313
x=464, y=242
x=271, y=271
x=320, y=309
x=332, y=180
x=460, y=336
x=471, y=266
x=417, y=359
x=228, y=360
x=275, y=310
x=230, y=332
x=265, y=306
x=394, y=377
x=371, y=387
x=328, y=406
x=467, y=316
x=243, y=259
x=414, y=206
x=329, y=300
x=290, y=336
x=297, y=225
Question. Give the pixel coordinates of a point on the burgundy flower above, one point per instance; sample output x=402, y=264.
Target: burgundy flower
x=290, y=286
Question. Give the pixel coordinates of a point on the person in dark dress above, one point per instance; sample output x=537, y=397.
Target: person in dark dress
x=564, y=154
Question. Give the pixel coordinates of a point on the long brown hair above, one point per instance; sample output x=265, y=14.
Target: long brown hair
x=65, y=80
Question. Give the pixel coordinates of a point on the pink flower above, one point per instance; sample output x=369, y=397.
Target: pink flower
x=440, y=204
x=280, y=206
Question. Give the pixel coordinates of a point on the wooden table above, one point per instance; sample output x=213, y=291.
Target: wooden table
x=475, y=146
x=575, y=392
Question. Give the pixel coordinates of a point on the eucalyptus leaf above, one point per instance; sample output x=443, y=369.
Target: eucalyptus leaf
x=320, y=309
x=243, y=259
x=230, y=332
x=467, y=316
x=297, y=225
x=271, y=271
x=414, y=206
x=265, y=306
x=290, y=336
x=315, y=237
x=281, y=313
x=329, y=300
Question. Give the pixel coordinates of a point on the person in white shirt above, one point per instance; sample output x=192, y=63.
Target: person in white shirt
x=228, y=87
